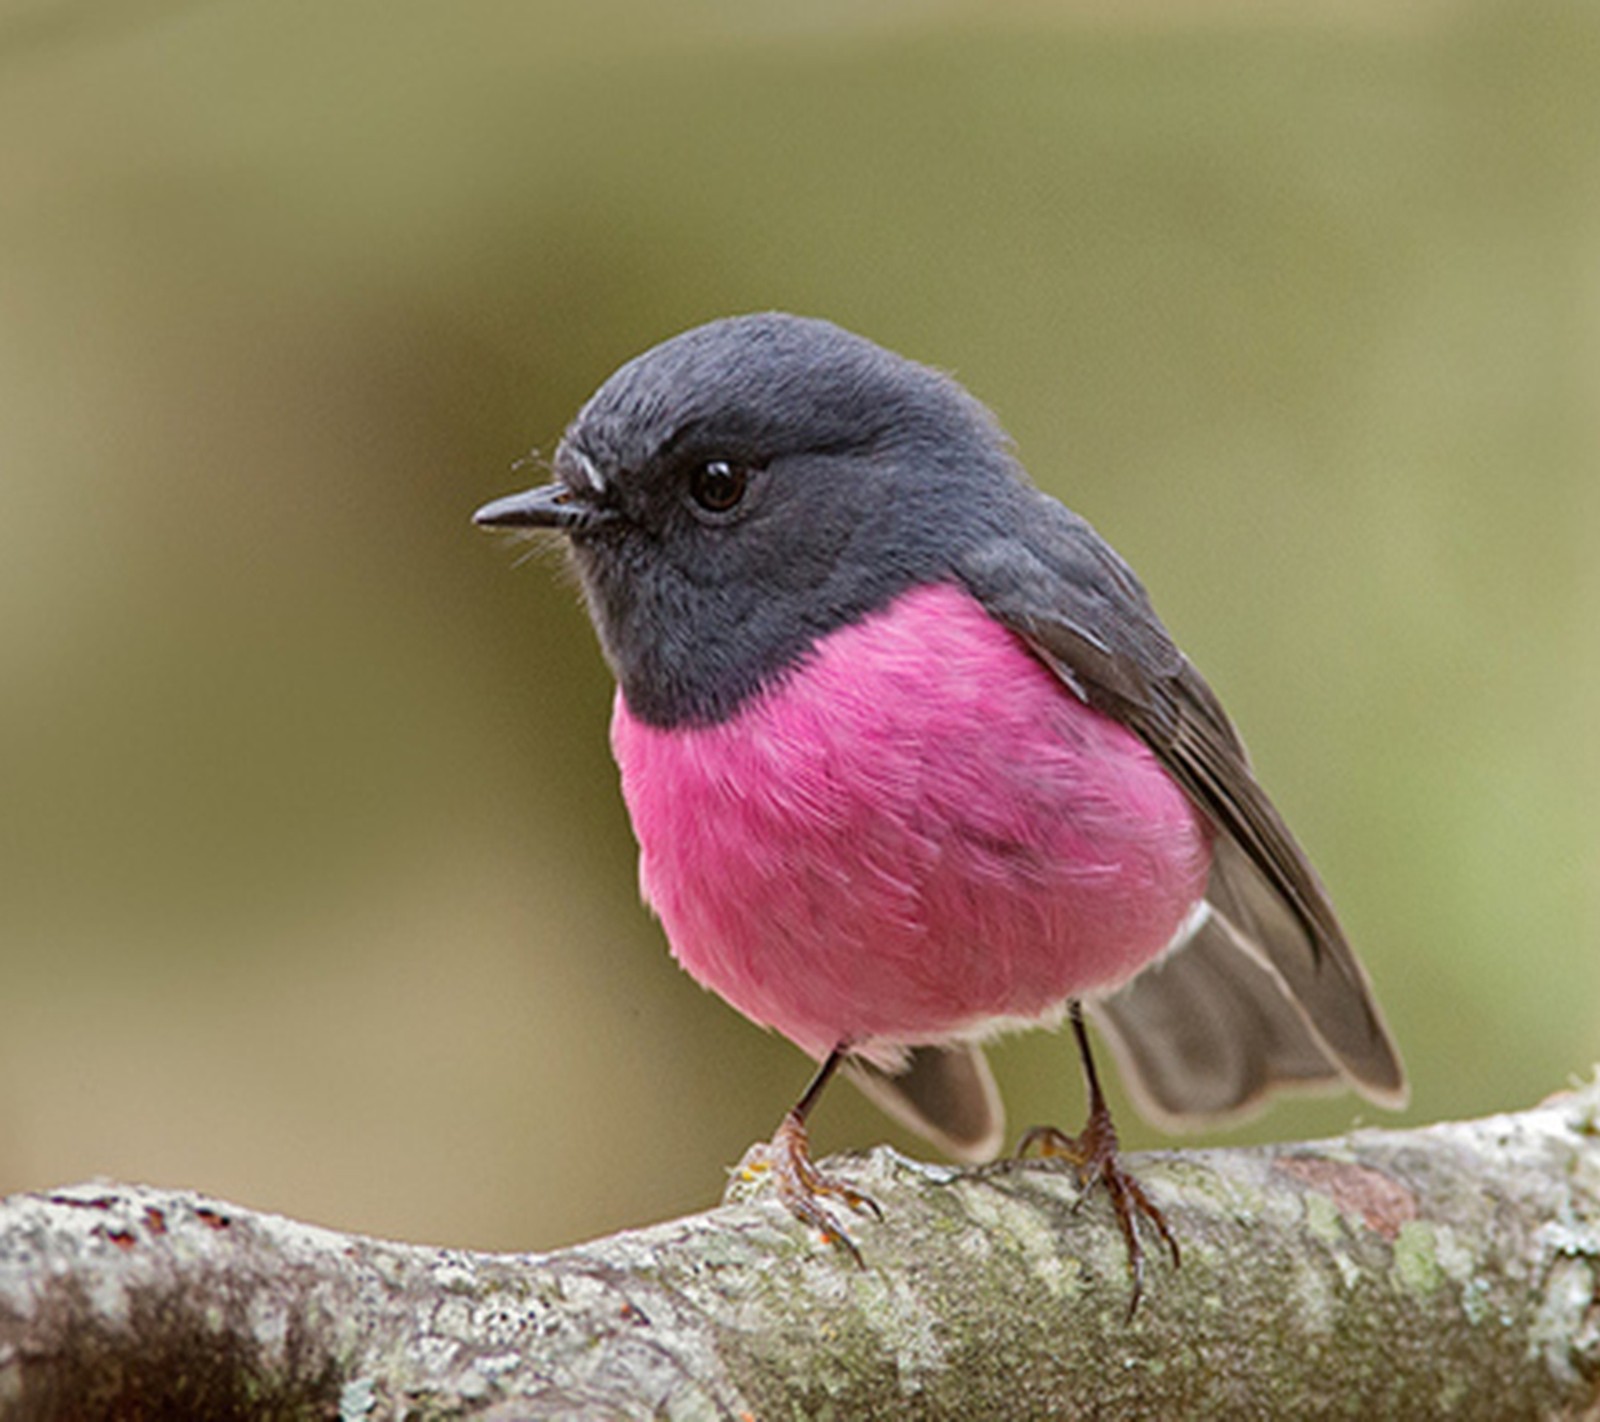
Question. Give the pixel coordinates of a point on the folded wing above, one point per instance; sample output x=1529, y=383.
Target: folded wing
x=1267, y=984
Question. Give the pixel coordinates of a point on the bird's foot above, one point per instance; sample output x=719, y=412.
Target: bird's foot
x=1094, y=1155
x=786, y=1158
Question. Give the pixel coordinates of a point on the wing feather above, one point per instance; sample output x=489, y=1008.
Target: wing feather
x=1082, y=611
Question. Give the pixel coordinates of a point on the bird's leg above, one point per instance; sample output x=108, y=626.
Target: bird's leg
x=1093, y=1153
x=800, y=1185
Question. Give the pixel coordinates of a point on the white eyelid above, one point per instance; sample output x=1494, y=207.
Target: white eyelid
x=585, y=466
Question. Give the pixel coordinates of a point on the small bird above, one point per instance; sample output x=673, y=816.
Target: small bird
x=912, y=761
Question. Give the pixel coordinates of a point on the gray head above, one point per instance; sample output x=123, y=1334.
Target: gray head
x=753, y=484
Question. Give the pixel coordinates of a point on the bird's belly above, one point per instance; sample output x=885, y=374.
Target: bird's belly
x=915, y=833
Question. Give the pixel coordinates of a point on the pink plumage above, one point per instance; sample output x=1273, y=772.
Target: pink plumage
x=916, y=834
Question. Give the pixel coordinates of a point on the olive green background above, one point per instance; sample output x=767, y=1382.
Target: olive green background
x=315, y=886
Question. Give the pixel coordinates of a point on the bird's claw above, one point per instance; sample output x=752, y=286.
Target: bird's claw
x=786, y=1160
x=1093, y=1154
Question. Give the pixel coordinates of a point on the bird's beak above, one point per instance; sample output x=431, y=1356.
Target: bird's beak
x=548, y=506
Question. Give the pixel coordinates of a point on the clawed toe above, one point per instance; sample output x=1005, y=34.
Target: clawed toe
x=802, y=1187
x=1094, y=1156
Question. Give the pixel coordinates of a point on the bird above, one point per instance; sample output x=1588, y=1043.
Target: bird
x=912, y=761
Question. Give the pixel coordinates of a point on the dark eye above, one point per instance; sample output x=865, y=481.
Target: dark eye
x=718, y=485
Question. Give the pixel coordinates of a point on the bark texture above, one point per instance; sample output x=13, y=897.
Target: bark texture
x=1444, y=1272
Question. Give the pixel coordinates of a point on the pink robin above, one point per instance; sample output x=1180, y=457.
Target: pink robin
x=911, y=759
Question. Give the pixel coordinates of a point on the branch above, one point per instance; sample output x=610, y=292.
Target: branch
x=1444, y=1271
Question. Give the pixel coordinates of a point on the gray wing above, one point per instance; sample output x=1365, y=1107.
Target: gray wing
x=1268, y=980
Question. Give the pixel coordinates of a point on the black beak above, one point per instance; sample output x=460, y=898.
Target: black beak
x=548, y=506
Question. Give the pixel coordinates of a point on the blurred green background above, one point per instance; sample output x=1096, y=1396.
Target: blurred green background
x=315, y=886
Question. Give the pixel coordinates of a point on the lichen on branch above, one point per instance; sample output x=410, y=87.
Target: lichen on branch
x=1446, y=1271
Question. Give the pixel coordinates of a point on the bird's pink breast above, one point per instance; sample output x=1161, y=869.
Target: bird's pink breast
x=917, y=831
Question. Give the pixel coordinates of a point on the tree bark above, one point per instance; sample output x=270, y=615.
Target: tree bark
x=1443, y=1272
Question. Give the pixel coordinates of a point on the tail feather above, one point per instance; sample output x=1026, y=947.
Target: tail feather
x=946, y=1094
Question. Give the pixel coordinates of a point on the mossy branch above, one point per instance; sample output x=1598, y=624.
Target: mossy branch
x=1448, y=1271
